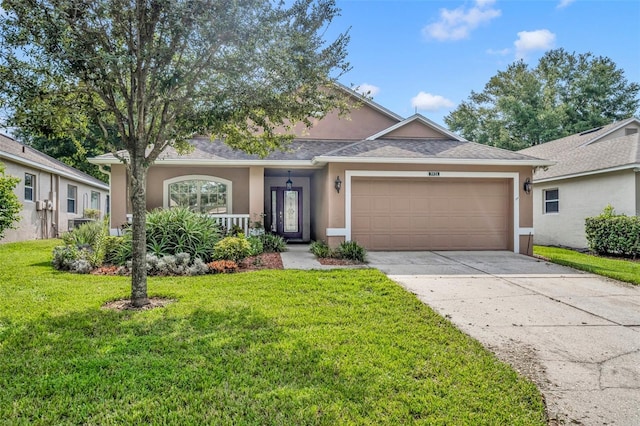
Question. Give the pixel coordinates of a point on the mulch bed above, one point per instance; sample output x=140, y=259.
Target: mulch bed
x=125, y=304
x=262, y=261
x=330, y=261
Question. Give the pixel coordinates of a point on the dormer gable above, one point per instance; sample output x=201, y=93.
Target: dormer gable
x=416, y=127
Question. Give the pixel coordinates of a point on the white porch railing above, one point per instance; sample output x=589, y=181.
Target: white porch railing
x=228, y=221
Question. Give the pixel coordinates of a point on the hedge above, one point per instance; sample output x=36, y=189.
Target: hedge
x=614, y=234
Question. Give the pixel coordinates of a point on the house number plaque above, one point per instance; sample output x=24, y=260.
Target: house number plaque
x=434, y=173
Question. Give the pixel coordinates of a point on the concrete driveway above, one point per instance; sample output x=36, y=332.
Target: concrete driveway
x=576, y=335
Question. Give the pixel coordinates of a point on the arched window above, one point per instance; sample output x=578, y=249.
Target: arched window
x=202, y=194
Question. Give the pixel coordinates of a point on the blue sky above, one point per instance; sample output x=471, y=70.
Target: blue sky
x=430, y=55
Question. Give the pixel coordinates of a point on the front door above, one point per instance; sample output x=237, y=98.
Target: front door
x=286, y=212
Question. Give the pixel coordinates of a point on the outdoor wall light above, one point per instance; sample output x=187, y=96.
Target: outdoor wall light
x=289, y=183
x=338, y=184
x=527, y=186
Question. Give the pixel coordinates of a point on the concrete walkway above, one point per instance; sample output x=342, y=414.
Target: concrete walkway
x=576, y=335
x=298, y=256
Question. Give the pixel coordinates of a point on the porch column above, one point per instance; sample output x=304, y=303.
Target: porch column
x=256, y=193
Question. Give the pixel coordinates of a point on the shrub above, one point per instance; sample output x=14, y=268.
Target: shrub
x=84, y=235
x=232, y=248
x=84, y=249
x=320, y=249
x=168, y=265
x=273, y=243
x=257, y=247
x=351, y=250
x=222, y=266
x=64, y=256
x=613, y=234
x=91, y=213
x=235, y=231
x=177, y=230
x=112, y=247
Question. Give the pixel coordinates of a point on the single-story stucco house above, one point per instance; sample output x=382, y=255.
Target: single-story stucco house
x=592, y=169
x=53, y=195
x=387, y=182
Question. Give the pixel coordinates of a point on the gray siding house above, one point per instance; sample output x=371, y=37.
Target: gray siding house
x=592, y=169
x=52, y=193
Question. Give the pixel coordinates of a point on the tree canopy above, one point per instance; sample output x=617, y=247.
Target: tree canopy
x=9, y=205
x=565, y=93
x=152, y=73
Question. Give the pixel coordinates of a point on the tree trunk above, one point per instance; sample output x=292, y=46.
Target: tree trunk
x=138, y=196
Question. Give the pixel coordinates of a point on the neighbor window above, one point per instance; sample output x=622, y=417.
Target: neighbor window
x=72, y=195
x=29, y=186
x=95, y=200
x=551, y=201
x=202, y=194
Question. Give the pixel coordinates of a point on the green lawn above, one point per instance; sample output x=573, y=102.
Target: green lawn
x=261, y=348
x=619, y=269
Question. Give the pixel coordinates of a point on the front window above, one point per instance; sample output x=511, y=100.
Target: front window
x=200, y=194
x=29, y=186
x=72, y=195
x=95, y=200
x=551, y=201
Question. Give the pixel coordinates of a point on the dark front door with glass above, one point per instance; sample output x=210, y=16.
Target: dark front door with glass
x=286, y=212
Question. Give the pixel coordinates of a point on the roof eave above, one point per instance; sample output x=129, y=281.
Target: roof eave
x=589, y=173
x=435, y=160
x=52, y=170
x=212, y=162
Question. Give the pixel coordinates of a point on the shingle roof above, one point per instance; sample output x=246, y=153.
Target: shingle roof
x=589, y=151
x=13, y=150
x=367, y=150
x=425, y=148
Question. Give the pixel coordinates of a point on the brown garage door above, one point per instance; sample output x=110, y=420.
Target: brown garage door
x=431, y=214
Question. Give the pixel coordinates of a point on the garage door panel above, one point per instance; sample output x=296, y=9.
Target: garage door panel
x=431, y=214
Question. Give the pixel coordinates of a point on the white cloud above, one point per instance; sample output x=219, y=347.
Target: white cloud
x=564, y=3
x=367, y=89
x=429, y=102
x=456, y=24
x=528, y=41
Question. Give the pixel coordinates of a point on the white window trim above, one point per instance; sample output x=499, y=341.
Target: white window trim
x=32, y=186
x=545, y=201
x=349, y=174
x=167, y=182
x=75, y=200
x=91, y=200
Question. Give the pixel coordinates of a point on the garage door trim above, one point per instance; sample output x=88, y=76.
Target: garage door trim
x=349, y=174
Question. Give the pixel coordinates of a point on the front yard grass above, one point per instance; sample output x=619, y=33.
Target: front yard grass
x=619, y=269
x=259, y=348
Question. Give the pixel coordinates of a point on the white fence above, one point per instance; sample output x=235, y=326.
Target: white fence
x=228, y=221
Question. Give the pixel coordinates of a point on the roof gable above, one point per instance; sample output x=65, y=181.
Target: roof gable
x=592, y=151
x=416, y=127
x=365, y=118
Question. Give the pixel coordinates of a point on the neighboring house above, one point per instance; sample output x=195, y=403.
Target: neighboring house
x=52, y=194
x=593, y=169
x=386, y=182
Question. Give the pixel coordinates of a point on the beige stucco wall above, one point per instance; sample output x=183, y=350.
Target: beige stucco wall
x=580, y=198
x=336, y=210
x=415, y=130
x=241, y=178
x=319, y=204
x=359, y=124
